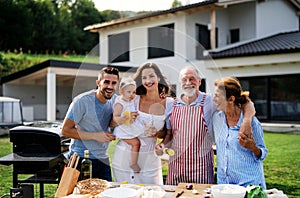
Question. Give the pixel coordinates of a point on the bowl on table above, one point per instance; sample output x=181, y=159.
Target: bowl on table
x=120, y=192
x=228, y=191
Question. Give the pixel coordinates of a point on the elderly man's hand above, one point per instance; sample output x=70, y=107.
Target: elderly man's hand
x=159, y=149
x=246, y=127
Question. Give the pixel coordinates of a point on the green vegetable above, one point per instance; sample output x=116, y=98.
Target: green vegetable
x=254, y=191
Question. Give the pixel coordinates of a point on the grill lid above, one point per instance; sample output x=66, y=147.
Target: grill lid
x=33, y=141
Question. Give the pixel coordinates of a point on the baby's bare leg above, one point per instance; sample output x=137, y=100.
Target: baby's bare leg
x=135, y=148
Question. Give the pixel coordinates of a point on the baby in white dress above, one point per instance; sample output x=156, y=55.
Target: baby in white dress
x=128, y=130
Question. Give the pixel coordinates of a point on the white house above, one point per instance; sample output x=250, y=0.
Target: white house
x=47, y=89
x=257, y=41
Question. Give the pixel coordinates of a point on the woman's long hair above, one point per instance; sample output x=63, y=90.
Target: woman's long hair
x=163, y=86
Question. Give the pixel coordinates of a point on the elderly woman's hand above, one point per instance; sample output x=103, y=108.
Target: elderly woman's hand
x=248, y=142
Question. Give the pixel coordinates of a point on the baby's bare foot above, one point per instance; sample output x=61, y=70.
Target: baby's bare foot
x=135, y=167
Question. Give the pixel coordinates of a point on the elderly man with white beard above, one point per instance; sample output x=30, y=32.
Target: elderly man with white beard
x=190, y=136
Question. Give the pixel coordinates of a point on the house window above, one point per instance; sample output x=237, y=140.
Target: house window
x=276, y=98
x=203, y=38
x=203, y=85
x=118, y=47
x=234, y=35
x=161, y=41
x=258, y=88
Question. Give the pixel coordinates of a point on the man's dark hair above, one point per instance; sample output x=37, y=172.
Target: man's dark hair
x=108, y=70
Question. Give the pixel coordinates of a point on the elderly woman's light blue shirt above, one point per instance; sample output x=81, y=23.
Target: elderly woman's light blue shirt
x=236, y=164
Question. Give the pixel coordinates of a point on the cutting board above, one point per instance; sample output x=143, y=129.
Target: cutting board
x=188, y=193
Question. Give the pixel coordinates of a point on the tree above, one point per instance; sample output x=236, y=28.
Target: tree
x=45, y=32
x=109, y=15
x=176, y=3
x=15, y=33
x=43, y=26
x=84, y=13
x=65, y=21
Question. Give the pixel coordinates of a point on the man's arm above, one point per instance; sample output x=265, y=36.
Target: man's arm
x=168, y=138
x=117, y=114
x=71, y=130
x=249, y=113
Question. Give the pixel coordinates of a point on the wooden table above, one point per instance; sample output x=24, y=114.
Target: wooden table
x=182, y=186
x=176, y=189
x=188, y=193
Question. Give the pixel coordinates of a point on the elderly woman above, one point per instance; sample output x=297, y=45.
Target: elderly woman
x=239, y=156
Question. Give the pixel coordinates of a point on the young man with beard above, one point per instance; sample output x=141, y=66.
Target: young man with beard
x=87, y=122
x=190, y=138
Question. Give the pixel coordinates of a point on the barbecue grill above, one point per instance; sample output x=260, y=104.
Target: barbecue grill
x=38, y=152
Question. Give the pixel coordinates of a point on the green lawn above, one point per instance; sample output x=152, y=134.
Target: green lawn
x=38, y=58
x=13, y=62
x=281, y=165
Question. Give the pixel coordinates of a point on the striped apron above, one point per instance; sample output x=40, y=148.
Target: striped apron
x=193, y=159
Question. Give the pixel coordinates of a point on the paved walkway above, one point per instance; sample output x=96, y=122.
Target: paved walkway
x=270, y=127
x=281, y=128
x=4, y=131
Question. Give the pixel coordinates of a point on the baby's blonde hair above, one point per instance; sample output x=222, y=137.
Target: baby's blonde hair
x=126, y=81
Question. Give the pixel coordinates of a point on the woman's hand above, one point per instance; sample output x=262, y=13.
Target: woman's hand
x=248, y=142
x=150, y=130
x=119, y=120
x=133, y=116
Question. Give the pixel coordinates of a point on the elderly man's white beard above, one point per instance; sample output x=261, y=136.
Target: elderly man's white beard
x=189, y=93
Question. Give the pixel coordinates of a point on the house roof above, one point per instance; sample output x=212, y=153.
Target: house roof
x=202, y=5
x=190, y=7
x=37, y=73
x=8, y=99
x=280, y=43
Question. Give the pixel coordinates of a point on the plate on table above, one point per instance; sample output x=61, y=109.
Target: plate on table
x=169, y=188
x=133, y=186
x=153, y=191
x=136, y=187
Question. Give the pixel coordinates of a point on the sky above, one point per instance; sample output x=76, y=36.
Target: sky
x=138, y=5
